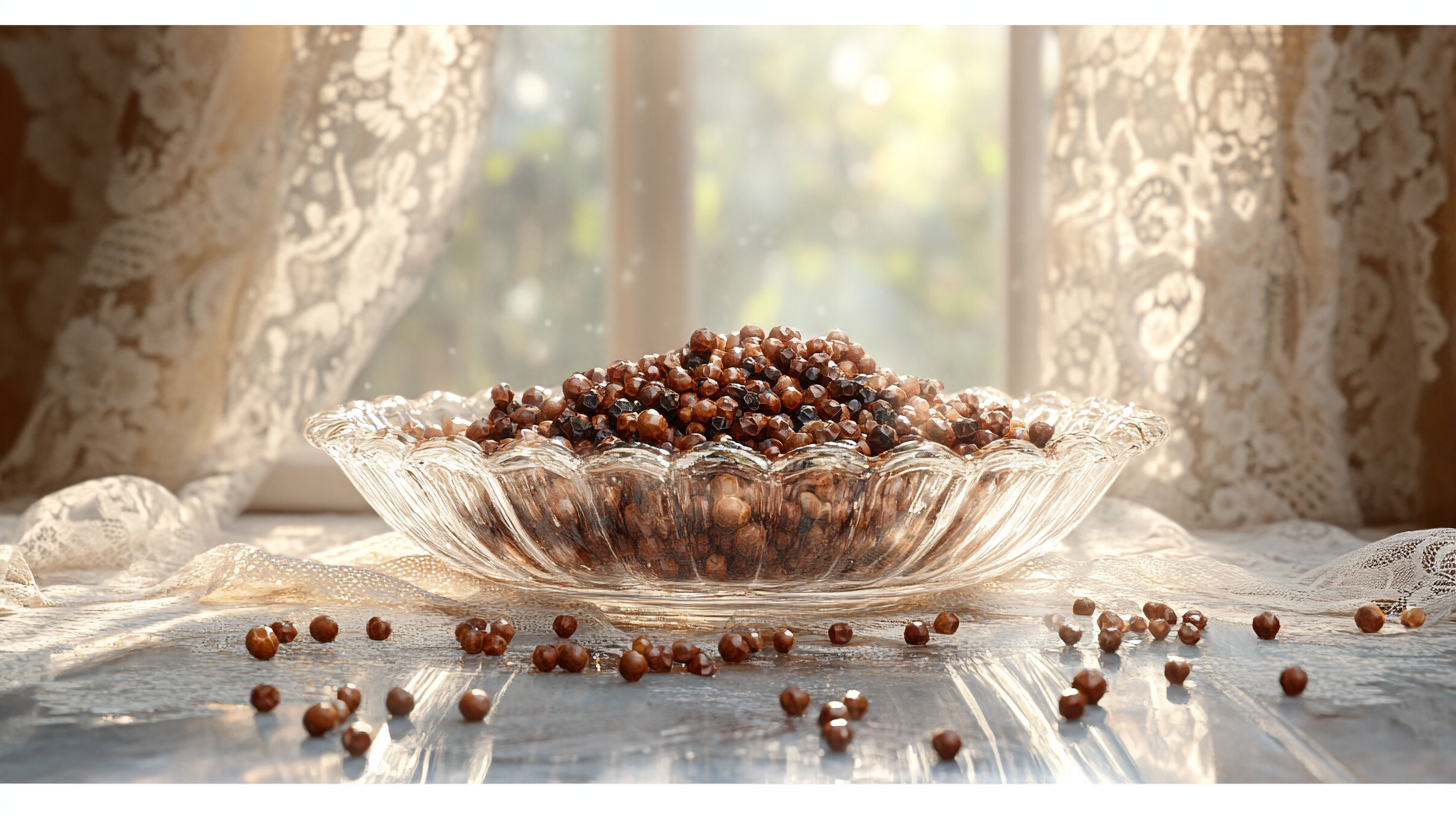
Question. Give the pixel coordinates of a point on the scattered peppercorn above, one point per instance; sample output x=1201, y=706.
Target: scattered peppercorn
x=1413, y=618
x=754, y=640
x=323, y=629
x=1176, y=670
x=572, y=657
x=683, y=651
x=493, y=645
x=1158, y=628
x=837, y=734
x=641, y=644
x=1109, y=639
x=378, y=628
x=1369, y=618
x=1072, y=704
x=470, y=624
x=1266, y=626
x=564, y=626
x=399, y=702
x=1091, y=683
x=349, y=694
x=544, y=658
x=946, y=623
x=1293, y=680
x=319, y=718
x=264, y=698
x=733, y=648
x=1189, y=634
x=783, y=641
x=916, y=634
x=1110, y=619
x=475, y=705
x=473, y=641
x=1070, y=633
x=1138, y=624
x=1083, y=606
x=357, y=738
x=632, y=666
x=1196, y=618
x=856, y=704
x=946, y=743
x=832, y=710
x=794, y=701
x=286, y=632
x=702, y=665
x=840, y=634
x=262, y=643
x=659, y=659
x=503, y=629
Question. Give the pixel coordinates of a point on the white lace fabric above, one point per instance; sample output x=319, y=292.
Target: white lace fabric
x=1242, y=238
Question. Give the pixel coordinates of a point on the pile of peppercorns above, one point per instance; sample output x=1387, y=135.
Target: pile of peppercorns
x=773, y=392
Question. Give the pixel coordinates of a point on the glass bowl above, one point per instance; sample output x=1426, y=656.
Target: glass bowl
x=719, y=531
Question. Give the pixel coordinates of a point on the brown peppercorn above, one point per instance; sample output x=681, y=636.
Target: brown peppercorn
x=1369, y=618
x=378, y=628
x=323, y=629
x=262, y=643
x=632, y=666
x=1153, y=609
x=731, y=512
x=1196, y=618
x=1413, y=618
x=564, y=626
x=503, y=629
x=1111, y=620
x=1189, y=634
x=472, y=641
x=659, y=659
x=834, y=709
x=1091, y=683
x=946, y=743
x=916, y=634
x=783, y=641
x=1109, y=639
x=1176, y=670
x=733, y=648
x=1083, y=606
x=1070, y=633
x=470, y=625
x=475, y=705
x=794, y=701
x=320, y=718
x=1072, y=704
x=1138, y=624
x=544, y=658
x=837, y=734
x=1053, y=621
x=349, y=694
x=1293, y=680
x=946, y=623
x=1266, y=626
x=1039, y=433
x=754, y=640
x=264, y=698
x=641, y=644
x=492, y=645
x=399, y=702
x=342, y=711
x=1158, y=628
x=702, y=665
x=840, y=634
x=683, y=651
x=286, y=632
x=856, y=704
x=357, y=739
x=572, y=657
x=1171, y=617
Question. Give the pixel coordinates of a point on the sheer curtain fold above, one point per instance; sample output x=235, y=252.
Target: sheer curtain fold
x=1250, y=233
x=206, y=230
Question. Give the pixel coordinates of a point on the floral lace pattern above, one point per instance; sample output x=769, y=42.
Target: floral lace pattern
x=1240, y=239
x=265, y=201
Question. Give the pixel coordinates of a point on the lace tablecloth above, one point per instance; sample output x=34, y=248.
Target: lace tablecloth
x=127, y=680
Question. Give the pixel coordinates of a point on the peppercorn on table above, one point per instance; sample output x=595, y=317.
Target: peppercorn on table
x=157, y=687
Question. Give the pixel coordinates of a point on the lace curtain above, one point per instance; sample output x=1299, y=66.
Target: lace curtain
x=203, y=233
x=1251, y=234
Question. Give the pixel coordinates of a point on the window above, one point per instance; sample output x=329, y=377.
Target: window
x=640, y=182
